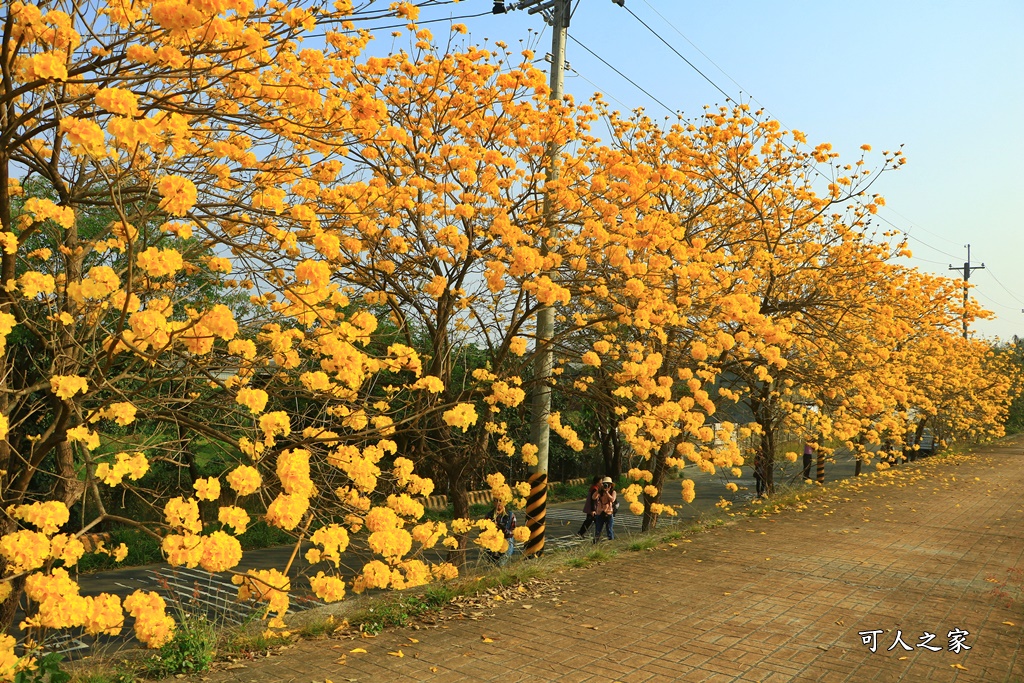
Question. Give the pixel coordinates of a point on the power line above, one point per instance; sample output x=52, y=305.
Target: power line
x=996, y=303
x=924, y=260
x=703, y=54
x=754, y=99
x=680, y=54
x=915, y=237
x=634, y=83
x=918, y=226
x=729, y=98
x=1005, y=289
x=429, y=21
x=600, y=90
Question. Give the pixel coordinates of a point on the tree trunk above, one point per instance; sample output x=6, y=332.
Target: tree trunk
x=660, y=469
x=69, y=487
x=460, y=507
x=764, y=462
x=918, y=433
x=9, y=607
x=617, y=455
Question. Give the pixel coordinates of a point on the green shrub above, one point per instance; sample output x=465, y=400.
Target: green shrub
x=262, y=535
x=47, y=670
x=191, y=650
x=142, y=549
x=560, y=491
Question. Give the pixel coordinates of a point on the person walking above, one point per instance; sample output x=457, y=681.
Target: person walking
x=604, y=509
x=588, y=508
x=506, y=523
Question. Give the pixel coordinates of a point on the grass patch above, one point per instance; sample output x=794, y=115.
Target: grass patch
x=476, y=511
x=506, y=576
x=559, y=492
x=398, y=612
x=246, y=641
x=645, y=543
x=592, y=557
x=315, y=629
x=784, y=498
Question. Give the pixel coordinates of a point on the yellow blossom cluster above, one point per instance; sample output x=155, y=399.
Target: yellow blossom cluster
x=462, y=416
x=245, y=480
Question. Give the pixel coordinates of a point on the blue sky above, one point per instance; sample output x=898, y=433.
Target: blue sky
x=942, y=78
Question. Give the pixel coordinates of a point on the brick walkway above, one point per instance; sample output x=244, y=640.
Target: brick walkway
x=781, y=598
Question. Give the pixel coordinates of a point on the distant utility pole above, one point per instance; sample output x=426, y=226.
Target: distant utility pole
x=558, y=13
x=968, y=269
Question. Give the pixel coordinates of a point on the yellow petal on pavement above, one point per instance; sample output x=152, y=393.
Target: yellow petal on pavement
x=358, y=650
x=397, y=654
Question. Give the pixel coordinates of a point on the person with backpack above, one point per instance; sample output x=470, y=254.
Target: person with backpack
x=606, y=504
x=506, y=523
x=588, y=508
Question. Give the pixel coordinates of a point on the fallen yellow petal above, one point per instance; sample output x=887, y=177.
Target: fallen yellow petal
x=486, y=639
x=959, y=666
x=1009, y=623
x=358, y=650
x=413, y=640
x=397, y=654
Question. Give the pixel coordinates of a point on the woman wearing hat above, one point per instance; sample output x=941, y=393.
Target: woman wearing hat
x=604, y=509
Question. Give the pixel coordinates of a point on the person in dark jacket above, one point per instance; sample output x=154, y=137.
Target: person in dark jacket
x=588, y=508
x=506, y=523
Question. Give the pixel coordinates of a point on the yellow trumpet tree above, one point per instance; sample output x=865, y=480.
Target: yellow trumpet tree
x=155, y=156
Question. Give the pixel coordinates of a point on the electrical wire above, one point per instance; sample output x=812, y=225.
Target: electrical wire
x=978, y=293
x=634, y=83
x=754, y=99
x=600, y=90
x=915, y=225
x=916, y=238
x=680, y=54
x=1005, y=288
x=702, y=53
x=429, y=21
x=924, y=260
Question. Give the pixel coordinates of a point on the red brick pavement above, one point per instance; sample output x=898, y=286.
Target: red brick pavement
x=781, y=598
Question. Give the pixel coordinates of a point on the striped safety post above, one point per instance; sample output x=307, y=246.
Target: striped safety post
x=536, y=506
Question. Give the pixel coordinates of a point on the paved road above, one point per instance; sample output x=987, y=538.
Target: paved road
x=932, y=548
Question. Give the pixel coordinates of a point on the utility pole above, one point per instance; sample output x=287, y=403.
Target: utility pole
x=560, y=12
x=967, y=270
